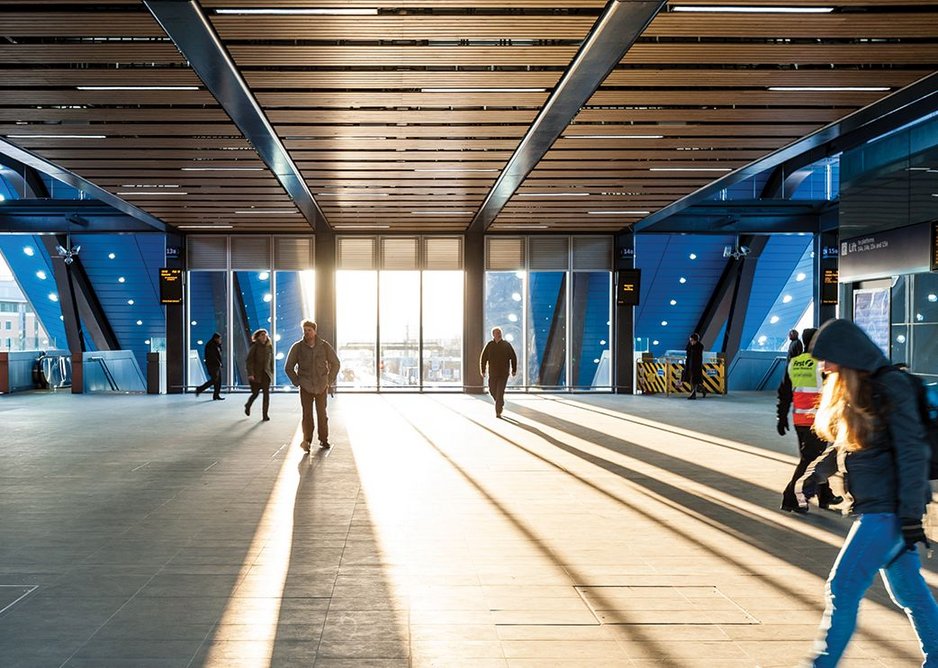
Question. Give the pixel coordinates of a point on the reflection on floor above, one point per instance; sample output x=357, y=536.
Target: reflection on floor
x=582, y=530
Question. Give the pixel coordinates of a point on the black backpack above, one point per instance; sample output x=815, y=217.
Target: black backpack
x=927, y=398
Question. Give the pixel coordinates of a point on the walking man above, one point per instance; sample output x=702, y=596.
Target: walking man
x=313, y=366
x=213, y=366
x=501, y=360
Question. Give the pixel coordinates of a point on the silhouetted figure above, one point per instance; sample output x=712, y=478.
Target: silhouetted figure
x=869, y=412
x=693, y=366
x=212, y=357
x=499, y=356
x=313, y=366
x=795, y=346
x=260, y=367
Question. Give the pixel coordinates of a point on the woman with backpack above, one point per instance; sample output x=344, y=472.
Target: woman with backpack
x=869, y=412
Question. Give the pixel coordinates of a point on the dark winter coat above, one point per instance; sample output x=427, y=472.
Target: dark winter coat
x=213, y=354
x=693, y=365
x=890, y=475
x=500, y=358
x=260, y=362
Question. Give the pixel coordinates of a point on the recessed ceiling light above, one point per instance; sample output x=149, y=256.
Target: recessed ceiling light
x=361, y=227
x=455, y=169
x=523, y=226
x=223, y=169
x=441, y=213
x=553, y=194
x=149, y=185
x=137, y=87
x=351, y=194
x=266, y=211
x=483, y=90
x=149, y=192
x=301, y=11
x=690, y=169
x=613, y=137
x=618, y=213
x=57, y=136
x=204, y=227
x=740, y=9
x=826, y=89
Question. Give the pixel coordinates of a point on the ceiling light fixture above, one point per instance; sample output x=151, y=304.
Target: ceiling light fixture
x=613, y=137
x=553, y=194
x=149, y=185
x=266, y=211
x=483, y=90
x=751, y=10
x=690, y=169
x=441, y=213
x=57, y=136
x=361, y=227
x=303, y=11
x=222, y=169
x=352, y=194
x=455, y=169
x=830, y=89
x=618, y=213
x=205, y=227
x=137, y=87
x=151, y=192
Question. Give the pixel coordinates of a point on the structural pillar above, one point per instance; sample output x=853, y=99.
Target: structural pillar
x=623, y=349
x=826, y=258
x=176, y=354
x=325, y=285
x=474, y=310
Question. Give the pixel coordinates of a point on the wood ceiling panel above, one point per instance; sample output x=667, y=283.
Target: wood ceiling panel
x=103, y=114
x=904, y=25
x=80, y=24
x=107, y=97
x=125, y=129
x=135, y=76
x=105, y=53
x=418, y=4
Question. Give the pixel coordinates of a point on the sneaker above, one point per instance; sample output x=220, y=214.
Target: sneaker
x=305, y=446
x=247, y=409
x=324, y=444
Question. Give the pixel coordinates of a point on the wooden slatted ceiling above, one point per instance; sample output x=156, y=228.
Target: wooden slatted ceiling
x=345, y=95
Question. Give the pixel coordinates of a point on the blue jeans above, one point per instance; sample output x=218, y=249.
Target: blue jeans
x=873, y=541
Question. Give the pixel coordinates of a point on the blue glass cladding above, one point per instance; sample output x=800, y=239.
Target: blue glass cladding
x=547, y=327
x=776, y=278
x=589, y=327
x=6, y=191
x=664, y=259
x=137, y=259
x=32, y=268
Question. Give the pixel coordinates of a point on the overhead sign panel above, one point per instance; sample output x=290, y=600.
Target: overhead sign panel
x=170, y=286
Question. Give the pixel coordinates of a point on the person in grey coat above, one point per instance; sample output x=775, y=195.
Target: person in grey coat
x=260, y=366
x=313, y=366
x=869, y=413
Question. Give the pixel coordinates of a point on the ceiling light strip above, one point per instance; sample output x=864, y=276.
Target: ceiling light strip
x=747, y=9
x=301, y=11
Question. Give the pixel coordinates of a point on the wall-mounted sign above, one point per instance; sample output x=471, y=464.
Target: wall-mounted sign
x=905, y=250
x=170, y=286
x=829, y=285
x=628, y=286
x=173, y=252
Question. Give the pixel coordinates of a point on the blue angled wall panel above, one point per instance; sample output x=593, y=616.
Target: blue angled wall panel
x=32, y=269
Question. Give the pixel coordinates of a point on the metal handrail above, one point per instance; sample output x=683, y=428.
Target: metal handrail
x=107, y=372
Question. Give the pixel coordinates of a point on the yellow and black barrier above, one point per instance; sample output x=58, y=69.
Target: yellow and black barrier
x=664, y=376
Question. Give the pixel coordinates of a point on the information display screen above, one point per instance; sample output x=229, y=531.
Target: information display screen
x=628, y=286
x=170, y=286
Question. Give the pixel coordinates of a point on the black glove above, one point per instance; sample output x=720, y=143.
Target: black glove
x=912, y=533
x=782, y=425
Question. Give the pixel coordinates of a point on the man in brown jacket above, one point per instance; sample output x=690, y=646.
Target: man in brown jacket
x=313, y=366
x=499, y=356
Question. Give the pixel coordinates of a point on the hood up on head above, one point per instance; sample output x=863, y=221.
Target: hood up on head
x=807, y=335
x=842, y=342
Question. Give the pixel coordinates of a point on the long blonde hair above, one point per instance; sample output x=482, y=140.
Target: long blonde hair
x=846, y=415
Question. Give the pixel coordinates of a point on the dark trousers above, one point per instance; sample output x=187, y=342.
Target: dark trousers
x=257, y=388
x=214, y=374
x=810, y=448
x=497, y=386
x=307, y=399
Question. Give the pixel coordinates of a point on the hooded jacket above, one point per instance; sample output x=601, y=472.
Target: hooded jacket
x=890, y=475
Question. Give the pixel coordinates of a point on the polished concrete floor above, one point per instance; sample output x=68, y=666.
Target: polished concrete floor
x=582, y=530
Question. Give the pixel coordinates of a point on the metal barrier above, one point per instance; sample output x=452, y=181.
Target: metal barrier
x=663, y=375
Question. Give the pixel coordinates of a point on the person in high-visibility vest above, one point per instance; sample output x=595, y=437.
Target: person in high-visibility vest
x=801, y=388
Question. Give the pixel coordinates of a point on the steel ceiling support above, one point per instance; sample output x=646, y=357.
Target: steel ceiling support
x=89, y=308
x=28, y=159
x=67, y=301
x=902, y=107
x=741, y=294
x=611, y=37
x=50, y=216
x=195, y=37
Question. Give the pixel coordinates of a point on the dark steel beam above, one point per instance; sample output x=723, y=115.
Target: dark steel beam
x=89, y=307
x=611, y=37
x=902, y=107
x=192, y=32
x=741, y=295
x=29, y=159
x=747, y=217
x=49, y=216
x=64, y=287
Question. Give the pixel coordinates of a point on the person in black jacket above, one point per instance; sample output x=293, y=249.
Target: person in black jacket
x=693, y=366
x=795, y=347
x=213, y=366
x=869, y=413
x=260, y=367
x=501, y=360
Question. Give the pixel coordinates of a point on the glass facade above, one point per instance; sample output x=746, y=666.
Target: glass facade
x=208, y=313
x=505, y=308
x=356, y=299
x=294, y=302
x=442, y=329
x=399, y=329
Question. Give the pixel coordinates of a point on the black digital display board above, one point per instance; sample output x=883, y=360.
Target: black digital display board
x=628, y=286
x=170, y=286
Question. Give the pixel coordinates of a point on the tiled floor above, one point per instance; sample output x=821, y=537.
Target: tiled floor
x=581, y=531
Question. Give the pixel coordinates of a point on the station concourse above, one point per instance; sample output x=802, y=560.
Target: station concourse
x=603, y=181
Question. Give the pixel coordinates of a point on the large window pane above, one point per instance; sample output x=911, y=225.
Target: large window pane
x=400, y=329
x=20, y=328
x=547, y=329
x=253, y=297
x=208, y=313
x=295, y=302
x=590, y=350
x=504, y=307
x=356, y=294
x=442, y=328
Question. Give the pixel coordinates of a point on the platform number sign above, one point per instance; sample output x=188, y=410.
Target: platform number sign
x=170, y=286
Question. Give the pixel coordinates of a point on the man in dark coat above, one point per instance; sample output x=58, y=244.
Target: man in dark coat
x=795, y=346
x=213, y=366
x=501, y=360
x=313, y=366
x=693, y=366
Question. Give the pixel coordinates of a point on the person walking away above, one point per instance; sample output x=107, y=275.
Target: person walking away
x=795, y=346
x=801, y=388
x=313, y=366
x=260, y=367
x=212, y=357
x=499, y=356
x=869, y=413
x=693, y=366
